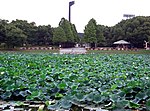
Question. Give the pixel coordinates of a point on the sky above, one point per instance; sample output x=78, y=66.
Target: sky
x=50, y=12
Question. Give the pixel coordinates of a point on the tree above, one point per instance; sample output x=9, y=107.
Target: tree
x=59, y=36
x=75, y=33
x=3, y=24
x=100, y=35
x=14, y=36
x=70, y=31
x=90, y=32
x=66, y=26
x=44, y=35
x=137, y=30
x=108, y=31
x=29, y=29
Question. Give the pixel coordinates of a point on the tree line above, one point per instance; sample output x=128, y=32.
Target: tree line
x=135, y=31
x=18, y=33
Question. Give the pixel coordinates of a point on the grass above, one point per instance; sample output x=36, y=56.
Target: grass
x=141, y=51
x=40, y=51
x=32, y=51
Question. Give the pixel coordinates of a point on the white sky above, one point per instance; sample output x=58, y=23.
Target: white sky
x=44, y=12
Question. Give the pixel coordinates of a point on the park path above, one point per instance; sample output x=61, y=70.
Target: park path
x=72, y=51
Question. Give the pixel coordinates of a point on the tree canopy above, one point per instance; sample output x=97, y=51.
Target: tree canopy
x=94, y=34
x=135, y=30
x=22, y=33
x=70, y=32
x=59, y=36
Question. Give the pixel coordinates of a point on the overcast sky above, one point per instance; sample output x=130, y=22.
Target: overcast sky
x=44, y=12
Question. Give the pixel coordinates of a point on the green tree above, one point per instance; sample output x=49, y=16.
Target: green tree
x=3, y=24
x=108, y=32
x=75, y=33
x=66, y=26
x=14, y=36
x=100, y=35
x=136, y=30
x=90, y=33
x=59, y=36
x=29, y=29
x=44, y=35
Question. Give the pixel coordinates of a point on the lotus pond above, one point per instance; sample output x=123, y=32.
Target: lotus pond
x=113, y=82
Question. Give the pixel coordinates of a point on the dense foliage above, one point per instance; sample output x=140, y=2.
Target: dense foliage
x=71, y=37
x=90, y=33
x=135, y=31
x=22, y=33
x=93, y=34
x=106, y=81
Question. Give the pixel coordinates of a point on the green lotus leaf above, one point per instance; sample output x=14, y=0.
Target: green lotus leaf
x=90, y=97
x=74, y=92
x=148, y=104
x=97, y=98
x=114, y=97
x=148, y=84
x=66, y=104
x=28, y=98
x=128, y=90
x=11, y=87
x=43, y=76
x=73, y=77
x=148, y=92
x=58, y=95
x=49, y=79
x=61, y=76
x=2, y=69
x=54, y=107
x=69, y=97
x=62, y=85
x=103, y=88
x=80, y=96
x=23, y=93
x=141, y=95
x=133, y=105
x=36, y=71
x=34, y=94
x=121, y=94
x=122, y=104
x=6, y=95
x=114, y=86
x=74, y=87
